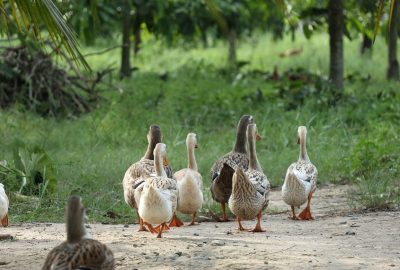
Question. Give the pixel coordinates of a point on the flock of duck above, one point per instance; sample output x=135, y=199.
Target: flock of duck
x=156, y=193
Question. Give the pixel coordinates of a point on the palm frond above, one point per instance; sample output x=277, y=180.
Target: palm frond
x=33, y=14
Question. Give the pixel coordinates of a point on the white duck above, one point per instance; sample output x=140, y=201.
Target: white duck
x=158, y=200
x=250, y=189
x=301, y=180
x=4, y=203
x=190, y=182
x=134, y=178
x=78, y=252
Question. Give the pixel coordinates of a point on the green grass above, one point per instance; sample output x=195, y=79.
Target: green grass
x=92, y=153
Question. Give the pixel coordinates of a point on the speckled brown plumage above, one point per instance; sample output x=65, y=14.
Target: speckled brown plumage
x=136, y=174
x=88, y=254
x=223, y=169
x=301, y=180
x=250, y=189
x=78, y=251
x=250, y=193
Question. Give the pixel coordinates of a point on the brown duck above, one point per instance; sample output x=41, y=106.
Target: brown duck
x=224, y=168
x=78, y=252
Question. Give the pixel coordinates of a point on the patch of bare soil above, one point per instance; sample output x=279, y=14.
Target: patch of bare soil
x=337, y=239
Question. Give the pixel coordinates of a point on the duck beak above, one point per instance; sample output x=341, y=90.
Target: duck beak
x=196, y=146
x=165, y=161
x=258, y=137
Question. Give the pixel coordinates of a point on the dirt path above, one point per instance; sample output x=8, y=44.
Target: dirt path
x=336, y=239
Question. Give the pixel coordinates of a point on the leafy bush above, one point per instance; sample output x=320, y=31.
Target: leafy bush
x=32, y=173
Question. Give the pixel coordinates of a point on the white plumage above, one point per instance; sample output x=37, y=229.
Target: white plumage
x=4, y=204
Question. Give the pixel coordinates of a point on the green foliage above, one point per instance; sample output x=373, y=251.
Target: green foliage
x=189, y=90
x=375, y=165
x=32, y=173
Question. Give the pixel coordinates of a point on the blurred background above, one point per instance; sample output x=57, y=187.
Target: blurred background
x=81, y=82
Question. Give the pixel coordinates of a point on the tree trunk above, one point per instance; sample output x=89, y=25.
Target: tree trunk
x=137, y=40
x=366, y=44
x=393, y=69
x=204, y=39
x=336, y=26
x=126, y=42
x=232, y=47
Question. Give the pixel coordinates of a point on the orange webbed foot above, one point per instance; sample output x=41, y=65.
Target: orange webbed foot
x=175, y=222
x=306, y=214
x=151, y=228
x=257, y=229
x=165, y=228
x=4, y=221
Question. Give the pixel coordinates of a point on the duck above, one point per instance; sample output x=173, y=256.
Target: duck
x=190, y=182
x=223, y=169
x=250, y=188
x=4, y=204
x=78, y=251
x=159, y=198
x=134, y=178
x=300, y=180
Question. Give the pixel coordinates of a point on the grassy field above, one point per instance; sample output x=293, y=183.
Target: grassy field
x=355, y=141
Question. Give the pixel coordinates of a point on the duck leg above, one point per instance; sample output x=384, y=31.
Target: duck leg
x=306, y=213
x=175, y=221
x=151, y=228
x=158, y=228
x=293, y=214
x=142, y=228
x=161, y=230
x=240, y=228
x=4, y=221
x=224, y=217
x=258, y=225
x=193, y=219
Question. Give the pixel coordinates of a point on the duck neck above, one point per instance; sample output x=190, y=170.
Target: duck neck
x=75, y=228
x=240, y=144
x=303, y=149
x=158, y=165
x=192, y=164
x=253, y=160
x=150, y=149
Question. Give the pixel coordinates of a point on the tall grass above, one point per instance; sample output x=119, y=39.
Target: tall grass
x=91, y=153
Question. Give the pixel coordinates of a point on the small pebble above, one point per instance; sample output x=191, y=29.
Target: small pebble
x=196, y=234
x=179, y=253
x=217, y=243
x=350, y=233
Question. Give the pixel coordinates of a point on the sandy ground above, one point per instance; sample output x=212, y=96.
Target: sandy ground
x=337, y=239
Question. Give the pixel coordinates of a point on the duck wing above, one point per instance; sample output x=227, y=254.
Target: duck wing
x=88, y=253
x=233, y=160
x=221, y=187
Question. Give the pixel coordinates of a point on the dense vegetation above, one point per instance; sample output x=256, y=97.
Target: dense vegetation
x=189, y=88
